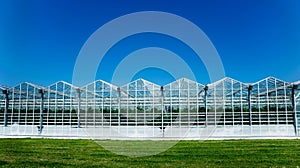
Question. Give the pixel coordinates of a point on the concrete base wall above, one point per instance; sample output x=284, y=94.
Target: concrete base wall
x=148, y=132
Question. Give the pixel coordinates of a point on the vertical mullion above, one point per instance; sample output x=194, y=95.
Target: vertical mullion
x=276, y=102
x=26, y=110
x=258, y=92
x=232, y=105
x=62, y=103
x=20, y=100
x=268, y=103
x=285, y=105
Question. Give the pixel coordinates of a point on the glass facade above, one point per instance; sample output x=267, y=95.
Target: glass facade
x=182, y=103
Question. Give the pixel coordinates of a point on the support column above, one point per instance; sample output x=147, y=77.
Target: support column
x=205, y=104
x=249, y=104
x=119, y=106
x=294, y=109
x=6, y=92
x=162, y=110
x=40, y=128
x=79, y=107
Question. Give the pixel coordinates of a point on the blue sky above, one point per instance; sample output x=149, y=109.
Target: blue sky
x=40, y=40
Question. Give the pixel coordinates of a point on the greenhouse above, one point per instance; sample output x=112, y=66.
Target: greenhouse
x=183, y=108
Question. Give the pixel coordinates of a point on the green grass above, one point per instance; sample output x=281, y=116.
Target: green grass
x=87, y=153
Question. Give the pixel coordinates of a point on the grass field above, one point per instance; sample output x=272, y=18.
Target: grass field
x=87, y=153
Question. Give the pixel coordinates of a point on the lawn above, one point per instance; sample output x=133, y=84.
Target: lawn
x=87, y=153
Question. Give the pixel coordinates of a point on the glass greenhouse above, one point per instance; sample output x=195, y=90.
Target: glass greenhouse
x=269, y=107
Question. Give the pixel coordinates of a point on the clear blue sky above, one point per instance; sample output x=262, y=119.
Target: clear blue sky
x=40, y=40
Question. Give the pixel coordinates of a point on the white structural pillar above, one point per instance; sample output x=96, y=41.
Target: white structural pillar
x=79, y=107
x=205, y=104
x=6, y=92
x=294, y=87
x=249, y=104
x=162, y=110
x=40, y=128
x=119, y=106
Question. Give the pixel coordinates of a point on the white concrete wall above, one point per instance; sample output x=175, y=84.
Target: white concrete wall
x=147, y=132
